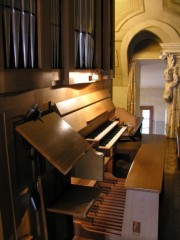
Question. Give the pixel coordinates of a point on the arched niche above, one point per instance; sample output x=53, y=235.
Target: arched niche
x=161, y=31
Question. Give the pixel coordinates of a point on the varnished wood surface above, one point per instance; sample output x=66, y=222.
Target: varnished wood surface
x=178, y=142
x=90, y=166
x=55, y=140
x=85, y=113
x=80, y=119
x=146, y=172
x=74, y=104
x=142, y=207
x=131, y=121
x=127, y=147
x=6, y=211
x=76, y=201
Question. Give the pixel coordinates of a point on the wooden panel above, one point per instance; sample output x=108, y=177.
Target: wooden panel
x=6, y=203
x=55, y=140
x=90, y=166
x=20, y=80
x=132, y=121
x=178, y=142
x=107, y=35
x=1, y=229
x=78, y=120
x=141, y=215
x=59, y=196
x=146, y=172
x=2, y=82
x=74, y=104
x=76, y=201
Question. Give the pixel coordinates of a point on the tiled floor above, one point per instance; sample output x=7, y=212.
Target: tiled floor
x=169, y=215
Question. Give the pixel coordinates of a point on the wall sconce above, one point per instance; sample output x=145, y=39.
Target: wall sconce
x=82, y=77
x=93, y=77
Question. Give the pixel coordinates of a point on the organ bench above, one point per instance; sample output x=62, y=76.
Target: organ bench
x=144, y=185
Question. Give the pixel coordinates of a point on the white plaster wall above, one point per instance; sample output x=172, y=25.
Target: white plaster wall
x=152, y=90
x=152, y=87
x=154, y=97
x=120, y=96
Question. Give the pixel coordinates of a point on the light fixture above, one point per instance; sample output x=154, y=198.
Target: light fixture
x=82, y=77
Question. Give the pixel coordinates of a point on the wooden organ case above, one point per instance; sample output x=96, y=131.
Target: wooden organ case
x=79, y=195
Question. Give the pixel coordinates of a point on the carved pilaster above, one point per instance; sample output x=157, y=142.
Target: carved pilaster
x=171, y=53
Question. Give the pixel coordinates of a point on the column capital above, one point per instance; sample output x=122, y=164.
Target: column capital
x=173, y=48
x=171, y=53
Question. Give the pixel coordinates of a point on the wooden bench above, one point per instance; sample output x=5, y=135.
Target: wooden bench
x=144, y=184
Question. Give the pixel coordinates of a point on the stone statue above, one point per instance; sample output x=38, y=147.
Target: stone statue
x=171, y=78
x=171, y=53
x=171, y=60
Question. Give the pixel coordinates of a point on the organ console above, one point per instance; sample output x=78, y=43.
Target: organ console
x=106, y=136
x=78, y=140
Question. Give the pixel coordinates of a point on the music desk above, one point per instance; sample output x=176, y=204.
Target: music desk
x=144, y=184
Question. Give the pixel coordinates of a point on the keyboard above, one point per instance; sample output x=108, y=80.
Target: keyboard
x=102, y=131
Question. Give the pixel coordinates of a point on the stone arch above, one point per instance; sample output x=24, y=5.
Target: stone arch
x=162, y=30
